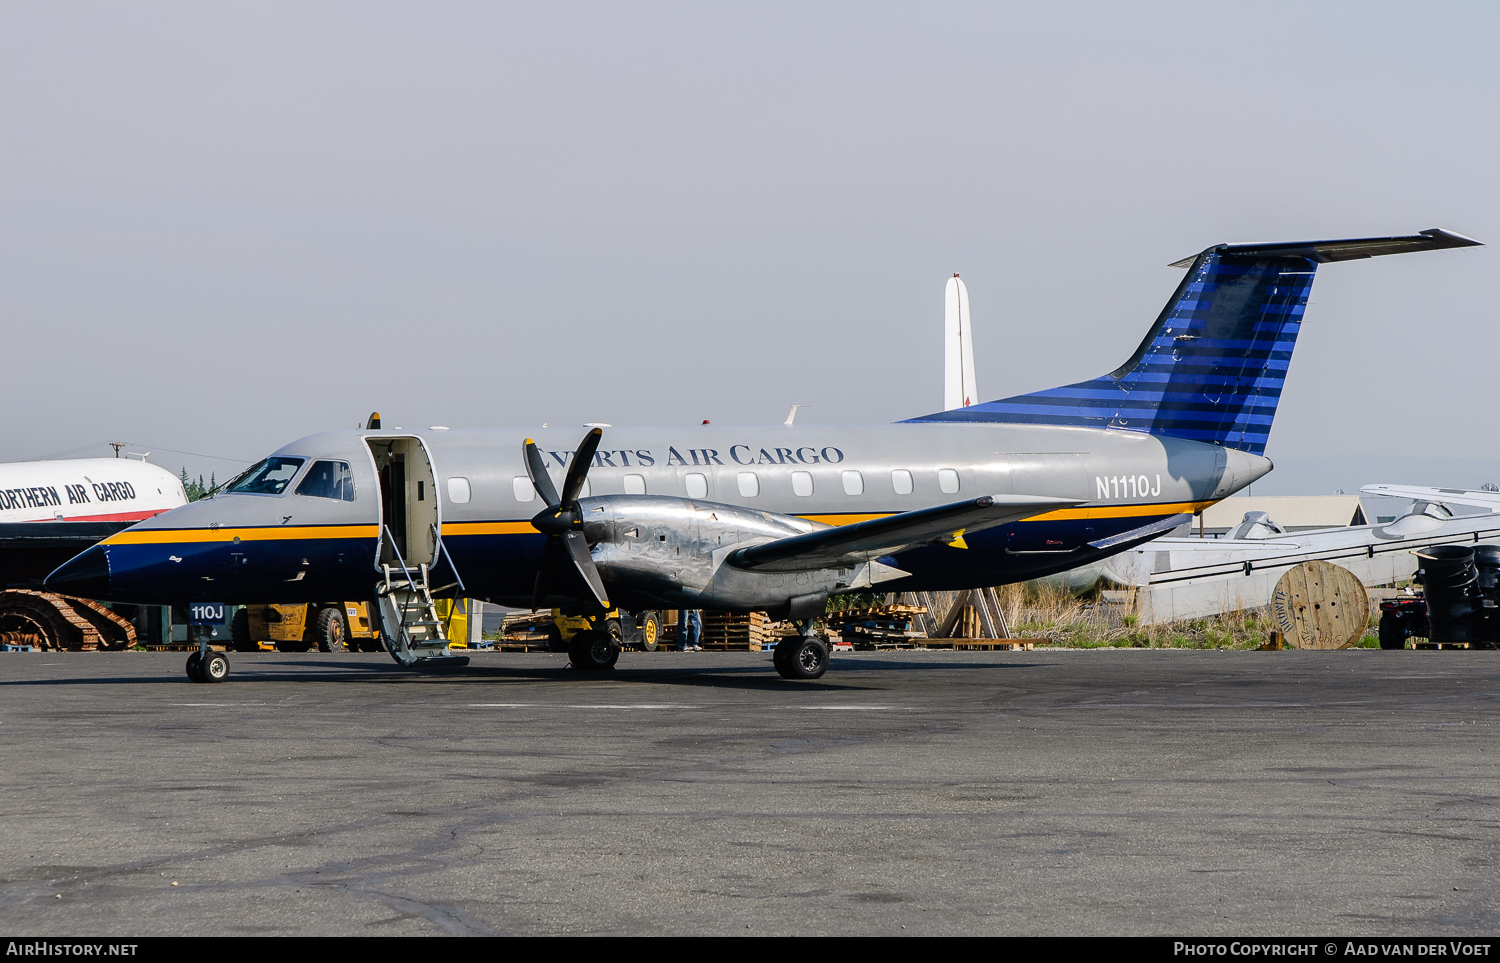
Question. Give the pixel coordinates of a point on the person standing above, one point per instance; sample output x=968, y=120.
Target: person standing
x=689, y=630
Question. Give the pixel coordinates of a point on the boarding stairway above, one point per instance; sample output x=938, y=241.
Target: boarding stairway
x=410, y=627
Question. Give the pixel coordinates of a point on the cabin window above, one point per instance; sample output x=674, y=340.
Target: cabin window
x=802, y=482
x=269, y=477
x=697, y=485
x=749, y=484
x=635, y=484
x=328, y=479
x=459, y=491
x=947, y=481
x=901, y=481
x=854, y=483
x=524, y=489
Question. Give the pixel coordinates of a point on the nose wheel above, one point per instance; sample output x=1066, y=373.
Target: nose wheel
x=208, y=666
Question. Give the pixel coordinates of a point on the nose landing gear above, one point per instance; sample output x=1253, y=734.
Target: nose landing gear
x=204, y=666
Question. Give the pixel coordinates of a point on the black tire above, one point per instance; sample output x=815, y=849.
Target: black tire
x=214, y=667
x=555, y=641
x=613, y=627
x=650, y=628
x=1392, y=632
x=239, y=632
x=593, y=651
x=331, y=631
x=805, y=658
x=193, y=668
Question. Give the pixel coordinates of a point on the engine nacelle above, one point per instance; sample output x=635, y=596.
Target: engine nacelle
x=672, y=551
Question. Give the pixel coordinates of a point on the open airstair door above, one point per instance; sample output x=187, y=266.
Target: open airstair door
x=409, y=552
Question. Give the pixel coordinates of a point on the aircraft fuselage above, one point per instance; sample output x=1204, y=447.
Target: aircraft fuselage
x=473, y=488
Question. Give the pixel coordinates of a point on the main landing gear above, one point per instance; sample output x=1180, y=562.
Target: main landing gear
x=801, y=657
x=593, y=651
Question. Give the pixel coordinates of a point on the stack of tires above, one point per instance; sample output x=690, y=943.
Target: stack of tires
x=1462, y=588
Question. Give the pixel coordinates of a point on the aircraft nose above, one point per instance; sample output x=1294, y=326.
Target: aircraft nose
x=85, y=575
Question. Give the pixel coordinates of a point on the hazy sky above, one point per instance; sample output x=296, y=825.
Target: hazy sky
x=224, y=226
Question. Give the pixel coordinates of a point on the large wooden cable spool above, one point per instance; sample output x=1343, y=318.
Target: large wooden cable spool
x=1319, y=605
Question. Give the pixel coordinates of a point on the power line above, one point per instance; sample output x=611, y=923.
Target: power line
x=198, y=454
x=102, y=444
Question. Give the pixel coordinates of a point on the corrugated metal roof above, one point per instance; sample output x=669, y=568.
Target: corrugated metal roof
x=1288, y=511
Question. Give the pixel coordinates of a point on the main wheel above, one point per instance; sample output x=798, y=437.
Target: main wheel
x=555, y=641
x=194, y=670
x=330, y=632
x=650, y=631
x=593, y=651
x=1392, y=632
x=239, y=632
x=805, y=658
x=214, y=667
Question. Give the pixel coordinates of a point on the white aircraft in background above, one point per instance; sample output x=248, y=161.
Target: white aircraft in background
x=1481, y=498
x=86, y=490
x=52, y=510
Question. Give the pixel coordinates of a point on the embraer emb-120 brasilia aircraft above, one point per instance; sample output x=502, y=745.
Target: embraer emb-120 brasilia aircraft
x=751, y=518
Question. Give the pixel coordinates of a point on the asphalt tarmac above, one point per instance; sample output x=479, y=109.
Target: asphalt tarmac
x=1045, y=792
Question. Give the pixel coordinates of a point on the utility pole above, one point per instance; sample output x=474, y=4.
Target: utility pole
x=117, y=445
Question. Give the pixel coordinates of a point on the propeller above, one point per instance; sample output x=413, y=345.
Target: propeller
x=562, y=520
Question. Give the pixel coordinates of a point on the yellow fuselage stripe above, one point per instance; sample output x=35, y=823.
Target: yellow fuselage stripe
x=488, y=528
x=1122, y=511
x=160, y=536
x=291, y=533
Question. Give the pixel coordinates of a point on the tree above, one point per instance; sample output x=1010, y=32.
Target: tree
x=193, y=489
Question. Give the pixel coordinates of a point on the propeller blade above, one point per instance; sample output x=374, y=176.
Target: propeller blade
x=578, y=547
x=540, y=480
x=546, y=571
x=578, y=470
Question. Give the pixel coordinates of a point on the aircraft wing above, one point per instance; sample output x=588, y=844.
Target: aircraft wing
x=878, y=536
x=1440, y=496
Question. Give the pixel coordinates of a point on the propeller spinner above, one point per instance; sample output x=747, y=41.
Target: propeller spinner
x=562, y=520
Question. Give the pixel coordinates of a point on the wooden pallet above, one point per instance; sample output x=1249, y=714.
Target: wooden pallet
x=517, y=624
x=880, y=611
x=724, y=631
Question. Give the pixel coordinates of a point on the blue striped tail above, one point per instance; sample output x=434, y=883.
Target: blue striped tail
x=1212, y=367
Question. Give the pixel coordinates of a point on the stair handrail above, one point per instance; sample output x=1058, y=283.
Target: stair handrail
x=401, y=623
x=443, y=549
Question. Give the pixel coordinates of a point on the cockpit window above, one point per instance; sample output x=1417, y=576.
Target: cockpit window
x=328, y=479
x=270, y=477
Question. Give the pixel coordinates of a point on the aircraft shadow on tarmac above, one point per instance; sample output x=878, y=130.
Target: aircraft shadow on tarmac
x=699, y=676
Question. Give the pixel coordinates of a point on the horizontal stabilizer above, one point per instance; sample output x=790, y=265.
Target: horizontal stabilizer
x=878, y=536
x=1348, y=249
x=1439, y=496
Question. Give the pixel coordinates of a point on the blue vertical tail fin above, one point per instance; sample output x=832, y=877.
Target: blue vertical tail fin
x=1212, y=366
